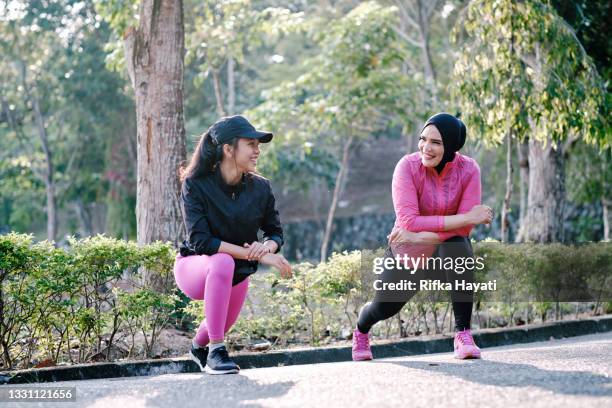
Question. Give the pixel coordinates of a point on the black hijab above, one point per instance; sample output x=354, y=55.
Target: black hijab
x=452, y=131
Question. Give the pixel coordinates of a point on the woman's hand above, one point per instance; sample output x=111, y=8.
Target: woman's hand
x=481, y=214
x=279, y=262
x=256, y=251
x=400, y=235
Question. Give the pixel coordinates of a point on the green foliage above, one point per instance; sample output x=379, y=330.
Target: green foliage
x=523, y=70
x=55, y=301
x=311, y=301
x=343, y=74
x=53, y=54
x=590, y=174
x=20, y=194
x=77, y=304
x=147, y=311
x=353, y=88
x=120, y=16
x=321, y=302
x=217, y=30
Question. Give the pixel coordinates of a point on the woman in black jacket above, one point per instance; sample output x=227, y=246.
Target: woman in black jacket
x=225, y=204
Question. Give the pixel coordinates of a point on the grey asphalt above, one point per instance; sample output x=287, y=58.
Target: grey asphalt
x=573, y=372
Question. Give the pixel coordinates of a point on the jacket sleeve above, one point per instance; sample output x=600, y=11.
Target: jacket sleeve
x=406, y=202
x=196, y=220
x=271, y=225
x=470, y=197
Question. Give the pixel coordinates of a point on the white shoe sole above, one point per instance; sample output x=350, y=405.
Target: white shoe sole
x=219, y=372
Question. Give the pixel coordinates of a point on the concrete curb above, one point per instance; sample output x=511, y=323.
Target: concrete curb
x=434, y=344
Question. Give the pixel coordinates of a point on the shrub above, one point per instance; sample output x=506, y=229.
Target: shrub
x=54, y=301
x=75, y=304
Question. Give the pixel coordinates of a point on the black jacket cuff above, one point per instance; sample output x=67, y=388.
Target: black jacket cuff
x=277, y=239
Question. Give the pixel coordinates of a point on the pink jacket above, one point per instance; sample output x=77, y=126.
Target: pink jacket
x=422, y=198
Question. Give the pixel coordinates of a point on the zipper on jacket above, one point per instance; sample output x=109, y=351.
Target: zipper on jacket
x=438, y=178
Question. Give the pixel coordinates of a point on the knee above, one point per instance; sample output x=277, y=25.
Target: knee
x=456, y=247
x=189, y=276
x=222, y=264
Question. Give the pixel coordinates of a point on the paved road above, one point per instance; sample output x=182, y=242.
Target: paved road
x=575, y=372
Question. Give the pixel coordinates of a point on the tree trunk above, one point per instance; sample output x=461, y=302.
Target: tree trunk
x=335, y=198
x=506, y=207
x=154, y=55
x=49, y=171
x=605, y=205
x=48, y=175
x=51, y=210
x=546, y=197
x=218, y=93
x=231, y=85
x=417, y=14
x=508, y=195
x=84, y=217
x=429, y=71
x=523, y=156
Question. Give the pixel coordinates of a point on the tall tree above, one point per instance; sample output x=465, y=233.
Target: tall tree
x=27, y=71
x=522, y=72
x=589, y=18
x=415, y=18
x=40, y=41
x=154, y=54
x=354, y=88
x=222, y=32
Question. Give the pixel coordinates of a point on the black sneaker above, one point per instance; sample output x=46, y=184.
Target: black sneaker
x=219, y=362
x=199, y=355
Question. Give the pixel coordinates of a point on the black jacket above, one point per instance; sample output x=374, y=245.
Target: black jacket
x=215, y=211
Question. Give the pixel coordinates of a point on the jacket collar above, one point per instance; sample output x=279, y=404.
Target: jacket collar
x=228, y=188
x=447, y=166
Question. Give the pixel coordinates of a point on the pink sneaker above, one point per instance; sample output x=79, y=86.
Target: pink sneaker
x=361, y=346
x=465, y=346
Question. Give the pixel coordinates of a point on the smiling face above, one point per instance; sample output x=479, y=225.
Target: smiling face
x=245, y=154
x=431, y=146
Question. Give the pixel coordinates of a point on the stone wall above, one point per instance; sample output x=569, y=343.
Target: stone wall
x=369, y=231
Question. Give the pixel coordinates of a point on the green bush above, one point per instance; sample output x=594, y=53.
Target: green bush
x=323, y=300
x=77, y=304
x=312, y=305
x=69, y=304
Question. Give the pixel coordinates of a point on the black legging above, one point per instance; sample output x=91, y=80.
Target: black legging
x=462, y=300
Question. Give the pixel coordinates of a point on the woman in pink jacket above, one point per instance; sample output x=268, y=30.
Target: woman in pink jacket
x=436, y=196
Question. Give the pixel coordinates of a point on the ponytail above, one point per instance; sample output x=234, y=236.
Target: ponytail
x=203, y=159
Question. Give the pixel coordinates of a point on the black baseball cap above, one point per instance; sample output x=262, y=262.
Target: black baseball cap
x=228, y=128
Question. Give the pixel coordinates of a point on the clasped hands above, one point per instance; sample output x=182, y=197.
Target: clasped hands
x=479, y=214
x=263, y=252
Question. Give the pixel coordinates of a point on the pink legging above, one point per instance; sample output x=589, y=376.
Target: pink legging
x=210, y=278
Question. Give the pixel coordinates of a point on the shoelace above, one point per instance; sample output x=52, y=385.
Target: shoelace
x=465, y=337
x=362, y=341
